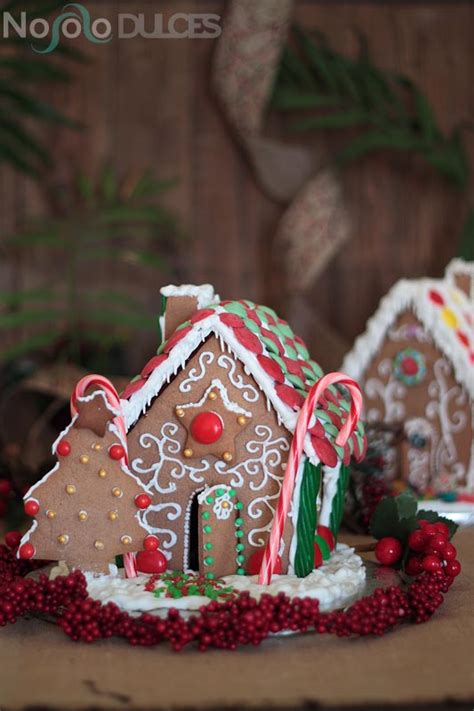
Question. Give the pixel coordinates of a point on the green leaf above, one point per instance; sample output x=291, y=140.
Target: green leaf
x=345, y=119
x=466, y=241
x=113, y=297
x=287, y=99
x=47, y=238
x=14, y=298
x=378, y=140
x=33, y=70
x=30, y=345
x=108, y=184
x=86, y=187
x=293, y=68
x=318, y=60
x=131, y=213
x=147, y=186
x=16, y=133
x=30, y=106
x=117, y=318
x=434, y=517
x=23, y=318
x=395, y=516
x=425, y=115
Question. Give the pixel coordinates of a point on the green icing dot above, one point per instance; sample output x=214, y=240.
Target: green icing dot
x=220, y=492
x=239, y=547
x=210, y=499
x=208, y=560
x=232, y=492
x=239, y=534
x=240, y=558
x=205, y=515
x=240, y=571
x=207, y=529
x=239, y=505
x=210, y=576
x=239, y=521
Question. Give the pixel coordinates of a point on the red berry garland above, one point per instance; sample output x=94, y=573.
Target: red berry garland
x=225, y=625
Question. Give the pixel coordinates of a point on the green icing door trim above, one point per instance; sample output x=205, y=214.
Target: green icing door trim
x=307, y=519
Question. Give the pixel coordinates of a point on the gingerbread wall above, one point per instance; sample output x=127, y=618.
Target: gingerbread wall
x=259, y=450
x=437, y=410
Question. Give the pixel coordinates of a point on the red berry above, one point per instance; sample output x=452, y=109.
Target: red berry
x=151, y=543
x=413, y=565
x=26, y=551
x=449, y=552
x=431, y=563
x=418, y=540
x=31, y=507
x=453, y=568
x=388, y=550
x=142, y=501
x=442, y=529
x=151, y=562
x=437, y=544
x=12, y=539
x=63, y=448
x=430, y=529
x=116, y=451
x=5, y=487
x=255, y=561
x=423, y=522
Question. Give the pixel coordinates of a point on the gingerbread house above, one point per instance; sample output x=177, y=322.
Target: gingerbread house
x=210, y=422
x=415, y=363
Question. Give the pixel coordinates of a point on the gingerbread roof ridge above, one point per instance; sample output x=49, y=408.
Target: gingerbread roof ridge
x=442, y=308
x=267, y=348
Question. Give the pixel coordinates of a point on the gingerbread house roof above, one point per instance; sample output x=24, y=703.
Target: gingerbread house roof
x=446, y=312
x=269, y=351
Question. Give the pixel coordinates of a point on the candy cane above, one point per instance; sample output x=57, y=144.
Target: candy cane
x=296, y=450
x=129, y=559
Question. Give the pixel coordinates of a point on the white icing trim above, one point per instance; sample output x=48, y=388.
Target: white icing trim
x=204, y=293
x=330, y=479
x=231, y=406
x=460, y=266
x=27, y=535
x=412, y=295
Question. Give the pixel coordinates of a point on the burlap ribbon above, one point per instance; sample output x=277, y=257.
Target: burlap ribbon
x=315, y=224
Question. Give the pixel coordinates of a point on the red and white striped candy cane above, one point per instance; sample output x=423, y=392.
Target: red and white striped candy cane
x=296, y=450
x=129, y=560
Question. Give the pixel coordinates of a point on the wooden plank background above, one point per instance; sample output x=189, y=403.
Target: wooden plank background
x=148, y=103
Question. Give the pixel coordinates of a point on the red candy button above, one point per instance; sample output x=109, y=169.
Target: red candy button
x=206, y=427
x=142, y=501
x=31, y=507
x=63, y=448
x=116, y=451
x=409, y=366
x=26, y=551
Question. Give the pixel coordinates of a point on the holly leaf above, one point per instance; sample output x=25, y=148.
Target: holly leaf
x=395, y=516
x=434, y=517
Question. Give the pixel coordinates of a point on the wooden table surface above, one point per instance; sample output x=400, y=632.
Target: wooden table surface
x=430, y=664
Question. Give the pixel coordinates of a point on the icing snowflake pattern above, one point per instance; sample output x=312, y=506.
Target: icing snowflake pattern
x=223, y=506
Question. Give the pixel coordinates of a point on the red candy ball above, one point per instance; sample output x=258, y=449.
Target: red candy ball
x=418, y=540
x=26, y=551
x=442, y=528
x=388, y=550
x=430, y=529
x=255, y=562
x=63, y=448
x=449, y=552
x=116, y=451
x=12, y=539
x=437, y=544
x=31, y=507
x=151, y=562
x=151, y=543
x=431, y=563
x=409, y=366
x=414, y=565
x=206, y=427
x=453, y=568
x=142, y=501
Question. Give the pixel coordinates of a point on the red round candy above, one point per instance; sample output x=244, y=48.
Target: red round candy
x=326, y=534
x=453, y=568
x=409, y=366
x=142, y=501
x=437, y=544
x=255, y=563
x=151, y=543
x=31, y=507
x=116, y=451
x=151, y=562
x=442, y=528
x=12, y=539
x=63, y=448
x=418, y=540
x=430, y=529
x=5, y=487
x=206, y=427
x=388, y=550
x=431, y=563
x=26, y=551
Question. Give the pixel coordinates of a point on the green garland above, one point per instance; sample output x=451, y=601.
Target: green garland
x=337, y=510
x=307, y=519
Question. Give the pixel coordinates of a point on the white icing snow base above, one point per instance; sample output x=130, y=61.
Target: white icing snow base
x=335, y=584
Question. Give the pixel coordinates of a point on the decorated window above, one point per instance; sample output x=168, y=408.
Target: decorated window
x=409, y=366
